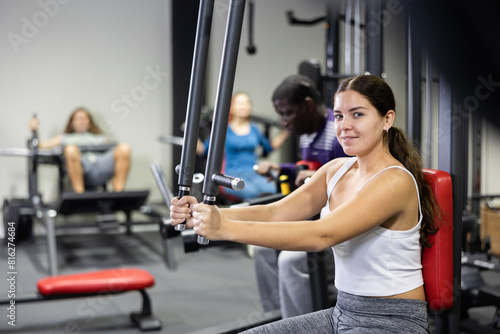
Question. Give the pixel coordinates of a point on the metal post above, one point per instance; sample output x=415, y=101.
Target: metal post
x=453, y=140
x=33, y=165
x=332, y=52
x=347, y=38
x=476, y=162
x=213, y=178
x=414, y=122
x=317, y=280
x=357, y=37
x=43, y=215
x=374, y=31
x=428, y=112
x=193, y=113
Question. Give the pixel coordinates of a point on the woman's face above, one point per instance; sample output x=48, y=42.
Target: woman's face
x=358, y=125
x=80, y=122
x=241, y=106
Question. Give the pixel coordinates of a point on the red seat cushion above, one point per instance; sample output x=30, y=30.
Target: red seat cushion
x=102, y=281
x=437, y=261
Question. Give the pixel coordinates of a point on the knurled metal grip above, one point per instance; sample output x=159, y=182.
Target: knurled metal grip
x=234, y=183
x=183, y=191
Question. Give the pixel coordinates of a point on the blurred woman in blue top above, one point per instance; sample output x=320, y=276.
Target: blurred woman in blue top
x=243, y=140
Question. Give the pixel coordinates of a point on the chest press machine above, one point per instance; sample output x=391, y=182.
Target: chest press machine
x=437, y=261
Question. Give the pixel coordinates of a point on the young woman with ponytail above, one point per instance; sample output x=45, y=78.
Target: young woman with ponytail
x=376, y=211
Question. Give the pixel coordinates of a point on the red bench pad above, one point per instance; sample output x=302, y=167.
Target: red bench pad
x=102, y=281
x=437, y=261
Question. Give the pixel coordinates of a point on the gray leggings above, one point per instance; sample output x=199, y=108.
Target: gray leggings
x=357, y=315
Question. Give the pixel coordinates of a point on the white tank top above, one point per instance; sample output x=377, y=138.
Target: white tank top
x=379, y=262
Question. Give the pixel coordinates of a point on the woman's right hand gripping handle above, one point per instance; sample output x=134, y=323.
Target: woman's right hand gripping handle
x=180, y=211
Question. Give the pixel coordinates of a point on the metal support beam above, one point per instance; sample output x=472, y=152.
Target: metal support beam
x=42, y=214
x=476, y=140
x=426, y=146
x=414, y=120
x=332, y=52
x=451, y=148
x=374, y=32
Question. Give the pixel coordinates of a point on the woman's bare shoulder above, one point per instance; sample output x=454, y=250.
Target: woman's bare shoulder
x=334, y=165
x=398, y=181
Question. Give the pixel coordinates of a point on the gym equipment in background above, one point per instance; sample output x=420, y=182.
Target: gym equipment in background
x=21, y=213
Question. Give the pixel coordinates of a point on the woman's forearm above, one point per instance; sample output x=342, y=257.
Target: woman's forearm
x=250, y=213
x=271, y=235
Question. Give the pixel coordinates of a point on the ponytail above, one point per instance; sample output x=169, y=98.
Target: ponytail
x=405, y=152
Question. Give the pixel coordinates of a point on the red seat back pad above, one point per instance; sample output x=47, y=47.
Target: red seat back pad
x=437, y=261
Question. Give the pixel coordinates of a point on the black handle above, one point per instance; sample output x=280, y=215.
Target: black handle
x=234, y=183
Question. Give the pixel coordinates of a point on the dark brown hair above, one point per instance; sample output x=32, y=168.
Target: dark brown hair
x=380, y=95
x=93, y=127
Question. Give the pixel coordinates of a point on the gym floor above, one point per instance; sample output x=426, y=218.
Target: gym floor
x=211, y=287
x=211, y=291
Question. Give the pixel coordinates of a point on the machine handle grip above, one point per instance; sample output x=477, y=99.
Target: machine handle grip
x=209, y=200
x=234, y=183
x=272, y=173
x=183, y=191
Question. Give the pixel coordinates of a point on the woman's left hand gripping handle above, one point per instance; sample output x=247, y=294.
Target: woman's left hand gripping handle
x=180, y=211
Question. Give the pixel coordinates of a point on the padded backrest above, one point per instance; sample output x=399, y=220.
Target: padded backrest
x=437, y=261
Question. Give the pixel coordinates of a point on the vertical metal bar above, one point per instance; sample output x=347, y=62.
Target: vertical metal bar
x=357, y=37
x=51, y=243
x=33, y=165
x=476, y=162
x=374, y=34
x=42, y=214
x=317, y=280
x=347, y=38
x=414, y=121
x=332, y=52
x=193, y=113
x=428, y=112
x=453, y=139
x=223, y=102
